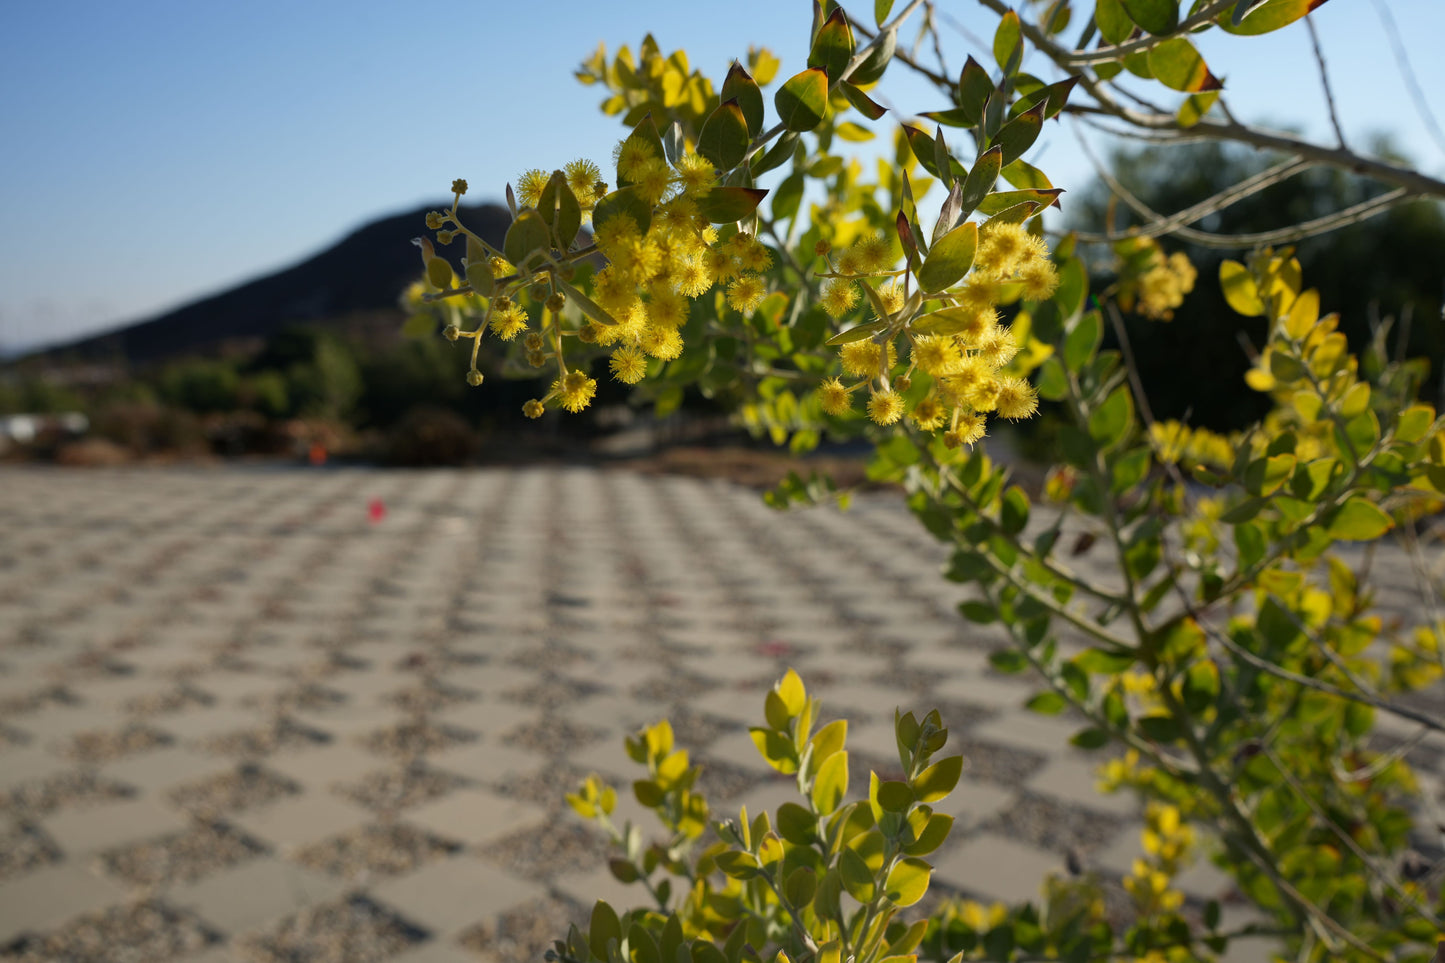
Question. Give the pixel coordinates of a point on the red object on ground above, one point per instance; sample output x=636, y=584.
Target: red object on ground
x=317, y=454
x=376, y=510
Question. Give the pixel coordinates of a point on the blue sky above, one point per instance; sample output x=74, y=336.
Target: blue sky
x=154, y=152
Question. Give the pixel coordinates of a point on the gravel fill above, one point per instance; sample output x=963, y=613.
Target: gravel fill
x=565, y=847
x=304, y=697
x=553, y=736
x=181, y=857
x=274, y=736
x=24, y=847
x=548, y=785
x=245, y=787
x=392, y=790
x=375, y=850
x=351, y=930
x=408, y=739
x=671, y=688
x=9, y=737
x=990, y=762
x=720, y=780
x=143, y=932
x=73, y=787
x=1054, y=826
x=104, y=745
x=37, y=699
x=428, y=697
x=170, y=700
x=523, y=934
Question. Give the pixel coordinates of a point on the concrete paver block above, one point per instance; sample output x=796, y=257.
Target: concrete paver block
x=994, y=867
x=310, y=817
x=1072, y=780
x=255, y=893
x=40, y=900
x=82, y=832
x=475, y=816
x=155, y=771
x=451, y=895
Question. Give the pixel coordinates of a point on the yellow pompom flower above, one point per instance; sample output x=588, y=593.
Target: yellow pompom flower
x=628, y=365
x=533, y=408
x=850, y=262
x=630, y=155
x=575, y=390
x=891, y=294
x=653, y=179
x=885, y=407
x=692, y=277
x=875, y=254
x=530, y=186
x=662, y=343
x=746, y=293
x=997, y=346
x=696, y=172
x=937, y=355
x=861, y=358
x=583, y=177
x=1040, y=279
x=834, y=397
x=969, y=429
x=929, y=414
x=667, y=309
x=1016, y=399
x=1002, y=249
x=838, y=297
x=509, y=322
x=720, y=265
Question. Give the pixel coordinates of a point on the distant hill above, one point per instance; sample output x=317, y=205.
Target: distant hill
x=361, y=276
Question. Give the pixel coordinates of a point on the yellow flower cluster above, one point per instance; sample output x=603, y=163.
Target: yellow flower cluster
x=964, y=364
x=1161, y=288
x=1168, y=843
x=1176, y=443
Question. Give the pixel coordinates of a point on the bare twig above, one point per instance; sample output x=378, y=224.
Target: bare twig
x=1402, y=60
x=1325, y=79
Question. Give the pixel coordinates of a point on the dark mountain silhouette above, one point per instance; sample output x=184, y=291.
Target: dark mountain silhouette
x=361, y=276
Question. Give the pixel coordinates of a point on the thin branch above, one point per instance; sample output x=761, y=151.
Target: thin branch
x=1325, y=79
x=1118, y=51
x=1402, y=60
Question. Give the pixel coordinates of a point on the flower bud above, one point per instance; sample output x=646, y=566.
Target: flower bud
x=902, y=383
x=459, y=186
x=434, y=220
x=444, y=237
x=474, y=377
x=451, y=332
x=556, y=301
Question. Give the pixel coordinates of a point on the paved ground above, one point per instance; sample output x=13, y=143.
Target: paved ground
x=242, y=719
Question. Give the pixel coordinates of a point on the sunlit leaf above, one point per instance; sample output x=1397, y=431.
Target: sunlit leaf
x=802, y=102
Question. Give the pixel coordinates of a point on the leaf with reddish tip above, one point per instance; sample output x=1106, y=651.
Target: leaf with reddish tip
x=864, y=104
x=722, y=205
x=973, y=90
x=1177, y=65
x=724, y=137
x=1019, y=134
x=980, y=180
x=802, y=102
x=906, y=238
x=1265, y=17
x=833, y=46
x=741, y=87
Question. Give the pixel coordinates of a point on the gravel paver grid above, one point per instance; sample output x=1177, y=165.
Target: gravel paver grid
x=571, y=593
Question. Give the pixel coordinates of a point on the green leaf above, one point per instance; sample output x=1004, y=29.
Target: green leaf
x=1019, y=134
x=881, y=9
x=723, y=205
x=623, y=871
x=892, y=796
x=802, y=102
x=560, y=211
x=1047, y=704
x=907, y=882
x=950, y=258
x=776, y=748
x=1008, y=43
x=1358, y=520
x=724, y=137
x=1194, y=108
x=1002, y=201
x=876, y=60
x=938, y=780
x=1160, y=728
x=831, y=783
x=861, y=102
x=738, y=864
x=1265, y=476
x=858, y=332
x=932, y=836
x=604, y=927
x=1008, y=661
x=624, y=201
x=832, y=47
x=1267, y=17
x=1025, y=176
x=1111, y=421
x=1113, y=21
x=974, y=88
x=800, y=886
x=1083, y=340
x=796, y=824
x=1104, y=661
x=980, y=180
x=743, y=89
x=857, y=877
x=1177, y=65
x=1159, y=17
x=527, y=235
x=777, y=155
x=1014, y=511
x=1090, y=738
